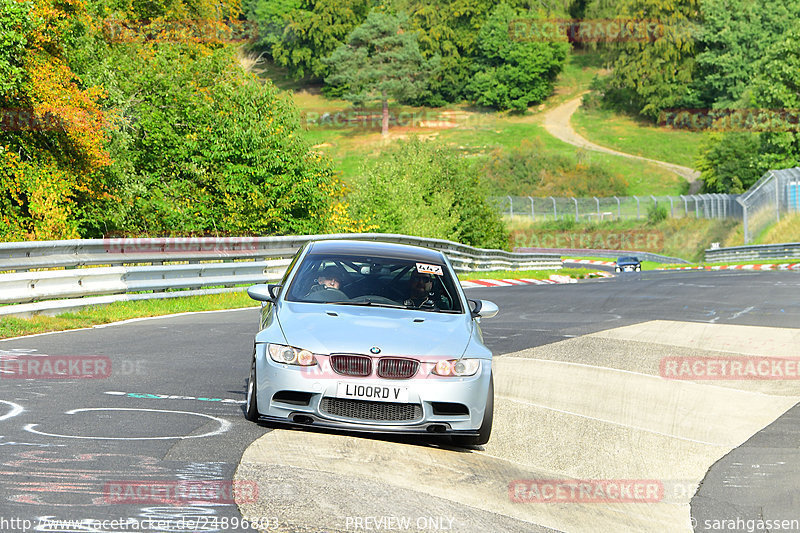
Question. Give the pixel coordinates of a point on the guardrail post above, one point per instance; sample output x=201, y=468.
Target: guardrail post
x=576, y=208
x=555, y=213
x=637, y=206
x=510, y=207
x=619, y=209
x=598, y=207
x=533, y=213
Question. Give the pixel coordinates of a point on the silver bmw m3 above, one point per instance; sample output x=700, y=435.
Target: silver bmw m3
x=372, y=336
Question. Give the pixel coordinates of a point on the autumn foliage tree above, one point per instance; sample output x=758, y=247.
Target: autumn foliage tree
x=52, y=137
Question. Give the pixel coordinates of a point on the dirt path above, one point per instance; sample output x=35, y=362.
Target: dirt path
x=557, y=124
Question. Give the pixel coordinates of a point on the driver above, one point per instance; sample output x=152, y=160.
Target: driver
x=421, y=292
x=330, y=278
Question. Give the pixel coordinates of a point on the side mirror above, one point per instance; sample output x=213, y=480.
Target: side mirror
x=263, y=292
x=484, y=308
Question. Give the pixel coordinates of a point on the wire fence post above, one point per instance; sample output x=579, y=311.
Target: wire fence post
x=744, y=220
x=637, y=206
x=685, y=206
x=598, y=207
x=510, y=206
x=533, y=213
x=576, y=208
x=555, y=212
x=619, y=209
x=671, y=208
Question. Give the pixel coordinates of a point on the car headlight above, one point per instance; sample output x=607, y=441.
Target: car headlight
x=290, y=355
x=457, y=367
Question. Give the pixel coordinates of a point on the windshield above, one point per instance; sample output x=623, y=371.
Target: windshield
x=375, y=281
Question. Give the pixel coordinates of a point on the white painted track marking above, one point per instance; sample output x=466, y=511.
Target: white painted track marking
x=224, y=425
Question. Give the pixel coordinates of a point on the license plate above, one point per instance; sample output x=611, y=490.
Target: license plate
x=375, y=393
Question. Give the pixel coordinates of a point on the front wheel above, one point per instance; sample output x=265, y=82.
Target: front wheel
x=251, y=407
x=486, y=426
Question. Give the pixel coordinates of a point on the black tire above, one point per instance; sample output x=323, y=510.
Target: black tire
x=251, y=406
x=485, y=431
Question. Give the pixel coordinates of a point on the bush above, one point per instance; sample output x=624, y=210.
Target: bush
x=528, y=170
x=728, y=162
x=656, y=213
x=424, y=189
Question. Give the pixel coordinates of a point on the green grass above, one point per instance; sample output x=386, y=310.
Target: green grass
x=579, y=70
x=90, y=316
x=476, y=132
x=495, y=131
x=685, y=238
x=637, y=136
x=787, y=230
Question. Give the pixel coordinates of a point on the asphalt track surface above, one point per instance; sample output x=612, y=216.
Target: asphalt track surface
x=171, y=410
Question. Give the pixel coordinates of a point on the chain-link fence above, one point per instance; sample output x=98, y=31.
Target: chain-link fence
x=774, y=195
x=619, y=207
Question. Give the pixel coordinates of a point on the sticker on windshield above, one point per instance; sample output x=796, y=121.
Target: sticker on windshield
x=422, y=268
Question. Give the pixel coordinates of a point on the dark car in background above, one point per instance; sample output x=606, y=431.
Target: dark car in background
x=628, y=264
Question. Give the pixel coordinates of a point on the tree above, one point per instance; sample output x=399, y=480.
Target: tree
x=733, y=161
x=379, y=61
x=734, y=37
x=270, y=15
x=313, y=31
x=729, y=162
x=52, y=148
x=658, y=69
x=513, y=73
x=776, y=90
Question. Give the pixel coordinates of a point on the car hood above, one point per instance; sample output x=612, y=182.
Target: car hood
x=325, y=329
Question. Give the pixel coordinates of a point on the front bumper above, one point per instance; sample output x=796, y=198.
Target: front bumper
x=424, y=390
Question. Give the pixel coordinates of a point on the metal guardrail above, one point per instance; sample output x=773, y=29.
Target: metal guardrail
x=611, y=254
x=55, y=276
x=753, y=252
